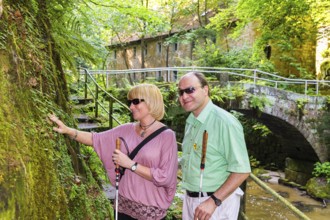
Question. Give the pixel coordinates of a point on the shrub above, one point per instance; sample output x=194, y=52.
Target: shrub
x=322, y=170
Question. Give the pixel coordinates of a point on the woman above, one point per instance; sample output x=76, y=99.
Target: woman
x=147, y=188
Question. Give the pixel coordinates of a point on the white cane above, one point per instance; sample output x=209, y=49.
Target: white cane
x=117, y=179
x=205, y=136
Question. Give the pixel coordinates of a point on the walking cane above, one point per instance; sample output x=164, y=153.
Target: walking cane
x=205, y=136
x=117, y=179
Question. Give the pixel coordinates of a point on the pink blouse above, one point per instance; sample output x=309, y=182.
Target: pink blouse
x=159, y=154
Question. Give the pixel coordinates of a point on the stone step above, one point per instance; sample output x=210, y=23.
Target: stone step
x=110, y=191
x=80, y=100
x=88, y=126
x=83, y=118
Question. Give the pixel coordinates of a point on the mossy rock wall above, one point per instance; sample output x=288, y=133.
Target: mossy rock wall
x=38, y=168
x=298, y=171
x=37, y=173
x=318, y=187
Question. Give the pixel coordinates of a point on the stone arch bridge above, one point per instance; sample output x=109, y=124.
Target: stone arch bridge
x=293, y=117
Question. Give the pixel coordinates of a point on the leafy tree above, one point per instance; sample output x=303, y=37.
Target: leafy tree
x=287, y=26
x=224, y=21
x=320, y=12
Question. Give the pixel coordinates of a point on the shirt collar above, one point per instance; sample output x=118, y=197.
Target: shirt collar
x=202, y=116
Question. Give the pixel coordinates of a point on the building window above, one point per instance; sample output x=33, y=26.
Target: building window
x=175, y=46
x=175, y=75
x=145, y=49
x=159, y=76
x=159, y=47
x=214, y=40
x=134, y=52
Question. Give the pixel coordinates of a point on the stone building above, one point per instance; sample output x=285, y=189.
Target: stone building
x=152, y=51
x=157, y=52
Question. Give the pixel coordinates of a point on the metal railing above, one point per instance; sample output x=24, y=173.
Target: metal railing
x=264, y=186
x=97, y=102
x=171, y=75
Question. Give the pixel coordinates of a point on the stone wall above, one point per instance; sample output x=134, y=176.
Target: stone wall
x=298, y=171
x=284, y=117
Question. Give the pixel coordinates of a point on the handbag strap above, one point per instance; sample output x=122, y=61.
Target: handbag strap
x=146, y=140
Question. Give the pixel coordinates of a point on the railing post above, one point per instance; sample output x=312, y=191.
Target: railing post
x=306, y=84
x=317, y=87
x=110, y=112
x=96, y=100
x=78, y=81
x=255, y=76
x=106, y=80
x=85, y=84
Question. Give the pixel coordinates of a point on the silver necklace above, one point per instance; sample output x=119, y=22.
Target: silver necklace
x=145, y=127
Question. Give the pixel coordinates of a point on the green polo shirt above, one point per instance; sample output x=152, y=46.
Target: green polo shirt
x=226, y=149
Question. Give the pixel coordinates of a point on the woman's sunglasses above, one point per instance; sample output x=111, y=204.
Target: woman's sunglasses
x=189, y=90
x=134, y=101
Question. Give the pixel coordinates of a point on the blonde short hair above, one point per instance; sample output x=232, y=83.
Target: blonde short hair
x=152, y=97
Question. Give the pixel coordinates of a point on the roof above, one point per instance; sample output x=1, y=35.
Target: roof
x=185, y=24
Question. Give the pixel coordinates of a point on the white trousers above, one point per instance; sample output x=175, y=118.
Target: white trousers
x=228, y=210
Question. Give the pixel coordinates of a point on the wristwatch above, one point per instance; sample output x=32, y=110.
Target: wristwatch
x=216, y=200
x=133, y=168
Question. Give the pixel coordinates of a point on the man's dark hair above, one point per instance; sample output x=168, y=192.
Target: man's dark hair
x=202, y=79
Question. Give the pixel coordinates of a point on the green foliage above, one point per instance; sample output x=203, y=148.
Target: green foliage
x=326, y=53
x=324, y=126
x=95, y=165
x=218, y=94
x=40, y=174
x=254, y=162
x=208, y=54
x=223, y=20
x=223, y=95
x=322, y=170
x=319, y=9
x=211, y=55
x=263, y=129
x=300, y=106
x=259, y=102
x=285, y=27
x=301, y=103
x=175, y=116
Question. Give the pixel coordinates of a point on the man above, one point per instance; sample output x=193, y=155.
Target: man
x=227, y=163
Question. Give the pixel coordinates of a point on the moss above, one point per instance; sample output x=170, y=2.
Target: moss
x=318, y=187
x=36, y=170
x=37, y=167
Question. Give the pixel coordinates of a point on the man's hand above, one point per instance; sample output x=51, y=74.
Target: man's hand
x=205, y=210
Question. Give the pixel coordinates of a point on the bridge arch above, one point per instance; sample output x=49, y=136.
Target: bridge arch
x=297, y=126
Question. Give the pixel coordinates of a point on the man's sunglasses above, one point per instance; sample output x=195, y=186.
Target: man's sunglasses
x=134, y=101
x=188, y=90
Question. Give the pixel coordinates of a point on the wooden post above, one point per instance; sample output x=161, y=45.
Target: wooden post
x=96, y=101
x=85, y=84
x=110, y=112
